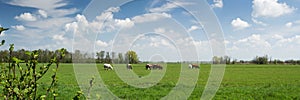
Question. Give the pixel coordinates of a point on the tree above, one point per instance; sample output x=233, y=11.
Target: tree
x=107, y=58
x=132, y=57
x=77, y=56
x=102, y=54
x=227, y=59
x=261, y=60
x=234, y=61
x=98, y=57
x=121, y=59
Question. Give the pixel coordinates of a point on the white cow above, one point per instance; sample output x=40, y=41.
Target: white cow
x=108, y=66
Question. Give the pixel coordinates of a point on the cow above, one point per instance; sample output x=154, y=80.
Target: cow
x=129, y=66
x=155, y=66
x=148, y=66
x=108, y=67
x=193, y=66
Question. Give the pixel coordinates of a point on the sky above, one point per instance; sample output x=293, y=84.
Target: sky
x=155, y=28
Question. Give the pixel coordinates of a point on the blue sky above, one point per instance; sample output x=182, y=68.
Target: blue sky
x=158, y=27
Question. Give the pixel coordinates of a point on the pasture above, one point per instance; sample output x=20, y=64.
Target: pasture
x=239, y=82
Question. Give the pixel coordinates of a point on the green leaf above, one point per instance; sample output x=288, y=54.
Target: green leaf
x=43, y=97
x=11, y=48
x=16, y=60
x=55, y=94
x=28, y=53
x=26, y=90
x=16, y=90
x=54, y=70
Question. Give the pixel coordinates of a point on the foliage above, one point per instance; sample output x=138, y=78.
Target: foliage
x=131, y=57
x=221, y=60
x=261, y=60
x=20, y=82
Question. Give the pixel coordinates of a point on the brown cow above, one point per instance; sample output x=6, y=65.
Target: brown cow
x=155, y=66
x=193, y=66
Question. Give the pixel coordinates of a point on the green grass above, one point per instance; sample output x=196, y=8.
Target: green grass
x=239, y=82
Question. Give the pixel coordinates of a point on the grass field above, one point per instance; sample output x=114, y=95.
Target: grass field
x=239, y=82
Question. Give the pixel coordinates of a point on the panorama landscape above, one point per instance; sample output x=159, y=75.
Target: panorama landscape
x=149, y=49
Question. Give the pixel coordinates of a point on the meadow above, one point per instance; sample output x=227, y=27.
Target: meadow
x=239, y=82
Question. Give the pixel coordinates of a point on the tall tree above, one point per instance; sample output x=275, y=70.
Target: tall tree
x=102, y=54
x=113, y=57
x=107, y=58
x=121, y=59
x=132, y=57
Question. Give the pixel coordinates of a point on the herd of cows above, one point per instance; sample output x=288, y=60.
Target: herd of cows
x=148, y=66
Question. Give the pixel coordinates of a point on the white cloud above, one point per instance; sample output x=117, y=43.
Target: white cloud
x=43, y=13
x=127, y=23
x=259, y=22
x=53, y=7
x=289, y=24
x=239, y=24
x=277, y=37
x=193, y=28
x=289, y=41
x=270, y=8
x=150, y=17
x=218, y=4
x=19, y=27
x=58, y=37
x=168, y=6
x=159, y=30
x=26, y=17
x=101, y=43
x=248, y=47
x=44, y=24
x=113, y=9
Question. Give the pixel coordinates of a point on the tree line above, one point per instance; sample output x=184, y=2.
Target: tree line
x=256, y=60
x=76, y=57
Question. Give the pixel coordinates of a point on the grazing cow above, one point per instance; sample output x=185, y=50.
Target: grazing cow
x=155, y=66
x=129, y=66
x=193, y=66
x=108, y=66
x=148, y=67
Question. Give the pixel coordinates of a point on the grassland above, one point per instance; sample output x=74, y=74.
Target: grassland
x=239, y=82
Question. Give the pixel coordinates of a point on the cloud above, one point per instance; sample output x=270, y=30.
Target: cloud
x=218, y=4
x=259, y=22
x=159, y=30
x=127, y=23
x=53, y=7
x=19, y=27
x=26, y=17
x=289, y=24
x=248, y=47
x=239, y=24
x=43, y=13
x=45, y=24
x=277, y=37
x=150, y=17
x=289, y=41
x=101, y=43
x=58, y=37
x=168, y=6
x=270, y=8
x=193, y=28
